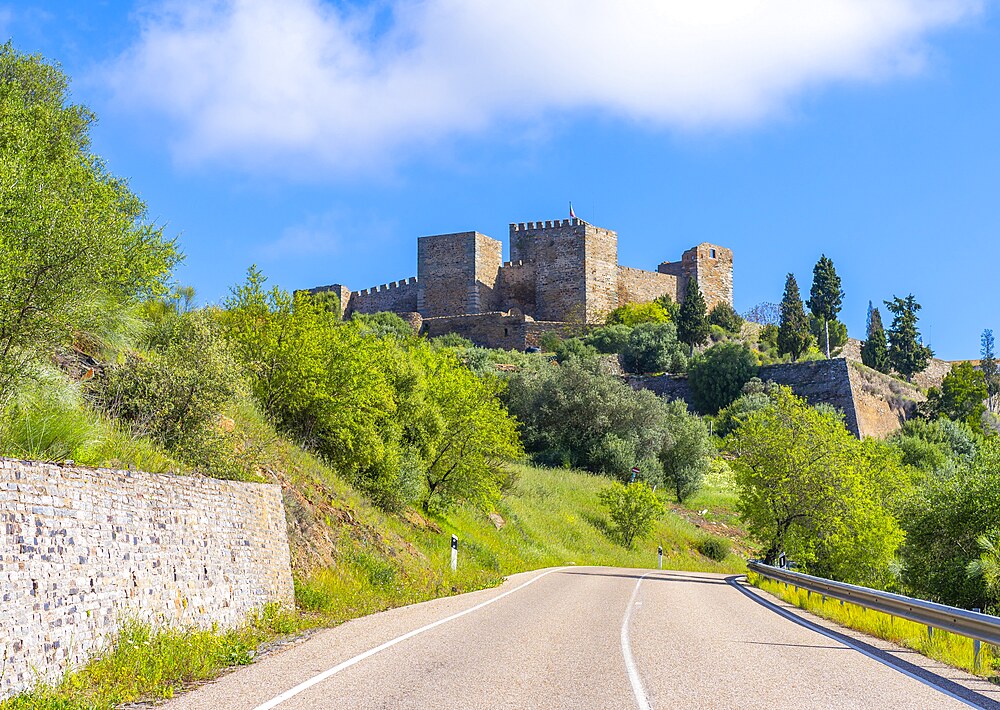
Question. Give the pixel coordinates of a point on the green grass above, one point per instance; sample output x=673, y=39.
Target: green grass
x=946, y=647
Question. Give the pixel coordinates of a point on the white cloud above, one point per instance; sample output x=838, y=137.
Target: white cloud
x=260, y=82
x=316, y=238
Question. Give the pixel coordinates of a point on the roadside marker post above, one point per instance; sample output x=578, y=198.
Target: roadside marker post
x=977, y=661
x=454, y=552
x=635, y=472
x=659, y=556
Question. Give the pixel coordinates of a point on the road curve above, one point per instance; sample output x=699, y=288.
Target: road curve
x=588, y=637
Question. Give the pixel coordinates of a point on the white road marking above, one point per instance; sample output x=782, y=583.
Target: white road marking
x=320, y=677
x=843, y=639
x=633, y=672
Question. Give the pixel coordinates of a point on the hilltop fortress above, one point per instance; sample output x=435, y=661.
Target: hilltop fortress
x=560, y=273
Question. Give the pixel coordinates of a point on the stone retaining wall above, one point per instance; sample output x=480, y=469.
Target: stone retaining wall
x=81, y=550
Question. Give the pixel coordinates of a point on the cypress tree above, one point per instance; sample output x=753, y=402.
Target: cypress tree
x=825, y=296
x=874, y=351
x=988, y=366
x=907, y=354
x=692, y=323
x=793, y=332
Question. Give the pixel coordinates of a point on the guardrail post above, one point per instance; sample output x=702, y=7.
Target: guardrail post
x=930, y=632
x=454, y=552
x=977, y=646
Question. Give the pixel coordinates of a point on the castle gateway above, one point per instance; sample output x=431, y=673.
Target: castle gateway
x=561, y=273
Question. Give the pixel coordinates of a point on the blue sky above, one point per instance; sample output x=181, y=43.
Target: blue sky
x=319, y=139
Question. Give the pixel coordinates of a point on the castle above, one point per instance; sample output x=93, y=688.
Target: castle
x=561, y=272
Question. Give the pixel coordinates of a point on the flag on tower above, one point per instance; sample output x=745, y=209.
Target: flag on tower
x=572, y=214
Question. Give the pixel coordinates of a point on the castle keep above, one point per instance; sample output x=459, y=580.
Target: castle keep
x=560, y=272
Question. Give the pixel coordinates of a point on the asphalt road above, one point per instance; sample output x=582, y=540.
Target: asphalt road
x=592, y=637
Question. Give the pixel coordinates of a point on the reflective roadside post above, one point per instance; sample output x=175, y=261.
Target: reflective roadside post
x=454, y=552
x=659, y=556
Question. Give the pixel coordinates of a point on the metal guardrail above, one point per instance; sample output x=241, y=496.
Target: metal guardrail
x=972, y=624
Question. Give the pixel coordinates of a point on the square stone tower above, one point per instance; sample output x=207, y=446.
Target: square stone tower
x=711, y=265
x=457, y=274
x=576, y=268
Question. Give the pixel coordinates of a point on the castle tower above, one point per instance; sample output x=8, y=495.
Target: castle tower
x=712, y=267
x=576, y=267
x=457, y=274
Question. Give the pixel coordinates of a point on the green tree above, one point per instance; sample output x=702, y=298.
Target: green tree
x=717, y=376
x=609, y=339
x=686, y=450
x=475, y=441
x=830, y=335
x=943, y=523
x=632, y=314
x=653, y=347
x=793, y=332
x=907, y=354
x=76, y=249
x=668, y=304
x=825, y=297
x=574, y=349
x=726, y=317
x=961, y=396
x=692, y=322
x=875, y=350
x=810, y=489
x=991, y=373
x=634, y=510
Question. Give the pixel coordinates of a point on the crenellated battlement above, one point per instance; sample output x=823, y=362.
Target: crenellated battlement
x=387, y=287
x=546, y=224
x=512, y=264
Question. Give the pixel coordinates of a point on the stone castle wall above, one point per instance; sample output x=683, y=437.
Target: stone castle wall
x=495, y=330
x=396, y=296
x=638, y=286
x=516, y=283
x=457, y=273
x=82, y=550
x=873, y=404
x=558, y=251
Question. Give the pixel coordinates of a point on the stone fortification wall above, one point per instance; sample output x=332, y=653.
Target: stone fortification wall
x=396, y=296
x=516, y=283
x=711, y=265
x=638, y=286
x=873, y=404
x=512, y=331
x=82, y=550
x=457, y=273
x=600, y=273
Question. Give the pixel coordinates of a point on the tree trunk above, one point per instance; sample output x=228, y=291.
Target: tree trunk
x=826, y=326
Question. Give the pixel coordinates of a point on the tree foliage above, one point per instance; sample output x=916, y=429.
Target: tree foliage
x=717, y=376
x=653, y=347
x=875, y=350
x=907, y=354
x=632, y=314
x=686, y=450
x=692, y=323
x=793, y=332
x=810, y=489
x=961, y=395
x=991, y=372
x=825, y=299
x=634, y=510
x=726, y=317
x=76, y=249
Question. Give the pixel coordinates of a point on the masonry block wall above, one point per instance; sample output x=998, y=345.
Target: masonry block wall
x=638, y=286
x=396, y=296
x=82, y=550
x=457, y=273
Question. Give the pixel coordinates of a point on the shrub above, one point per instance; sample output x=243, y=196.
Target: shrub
x=633, y=509
x=724, y=316
x=686, y=450
x=609, y=339
x=714, y=548
x=654, y=347
x=452, y=340
x=574, y=349
x=717, y=376
x=632, y=314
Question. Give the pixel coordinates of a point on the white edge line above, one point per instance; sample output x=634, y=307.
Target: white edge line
x=820, y=630
x=633, y=672
x=320, y=677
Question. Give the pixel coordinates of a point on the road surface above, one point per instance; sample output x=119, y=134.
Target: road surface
x=592, y=637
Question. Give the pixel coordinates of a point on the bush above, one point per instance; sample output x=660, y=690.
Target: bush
x=632, y=314
x=654, y=347
x=609, y=339
x=574, y=349
x=714, y=548
x=634, y=510
x=717, y=376
x=452, y=340
x=724, y=316
x=686, y=450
